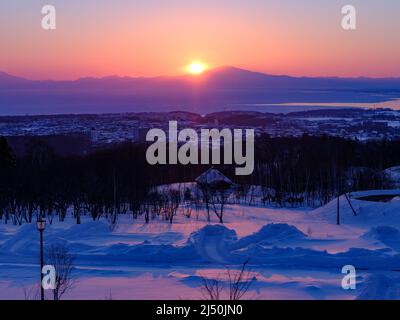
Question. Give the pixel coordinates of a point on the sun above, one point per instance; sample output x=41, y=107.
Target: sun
x=196, y=68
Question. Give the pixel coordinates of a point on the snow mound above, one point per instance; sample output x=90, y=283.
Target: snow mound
x=380, y=287
x=303, y=258
x=215, y=232
x=25, y=241
x=390, y=236
x=213, y=242
x=272, y=234
x=369, y=213
x=87, y=229
x=209, y=244
x=393, y=175
x=4, y=235
x=152, y=253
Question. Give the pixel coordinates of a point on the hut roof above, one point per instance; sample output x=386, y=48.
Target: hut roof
x=213, y=176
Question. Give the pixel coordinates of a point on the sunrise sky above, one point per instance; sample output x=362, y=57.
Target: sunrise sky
x=161, y=37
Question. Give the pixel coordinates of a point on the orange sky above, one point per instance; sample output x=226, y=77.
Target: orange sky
x=155, y=37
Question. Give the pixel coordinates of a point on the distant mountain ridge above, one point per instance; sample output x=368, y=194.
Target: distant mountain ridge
x=223, y=76
x=215, y=90
x=6, y=78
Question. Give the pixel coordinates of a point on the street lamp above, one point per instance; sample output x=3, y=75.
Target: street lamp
x=41, y=226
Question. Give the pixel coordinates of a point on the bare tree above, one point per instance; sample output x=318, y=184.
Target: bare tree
x=211, y=289
x=32, y=293
x=215, y=197
x=239, y=282
x=218, y=201
x=205, y=193
x=171, y=204
x=59, y=257
x=109, y=296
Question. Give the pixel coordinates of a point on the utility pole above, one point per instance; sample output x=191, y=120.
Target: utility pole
x=114, y=218
x=351, y=206
x=338, y=211
x=41, y=226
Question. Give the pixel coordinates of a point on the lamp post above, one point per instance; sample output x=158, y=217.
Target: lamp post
x=41, y=226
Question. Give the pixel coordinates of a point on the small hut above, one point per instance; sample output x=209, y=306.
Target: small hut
x=214, y=179
x=215, y=189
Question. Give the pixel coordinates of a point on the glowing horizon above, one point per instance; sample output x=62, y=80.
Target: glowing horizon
x=196, y=67
x=156, y=38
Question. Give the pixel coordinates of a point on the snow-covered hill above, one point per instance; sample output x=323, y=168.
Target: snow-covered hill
x=293, y=253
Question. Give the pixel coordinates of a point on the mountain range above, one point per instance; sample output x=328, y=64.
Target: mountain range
x=216, y=89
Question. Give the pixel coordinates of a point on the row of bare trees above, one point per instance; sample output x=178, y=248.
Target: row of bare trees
x=110, y=182
x=162, y=205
